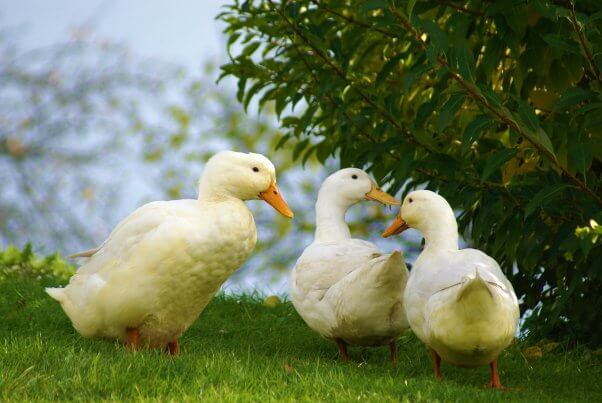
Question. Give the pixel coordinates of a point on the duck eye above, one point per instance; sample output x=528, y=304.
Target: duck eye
x=255, y=169
x=354, y=176
x=410, y=200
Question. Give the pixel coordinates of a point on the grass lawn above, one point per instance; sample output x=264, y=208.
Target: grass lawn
x=240, y=350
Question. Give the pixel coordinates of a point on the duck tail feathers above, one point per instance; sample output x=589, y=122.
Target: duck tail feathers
x=393, y=270
x=87, y=253
x=475, y=288
x=56, y=293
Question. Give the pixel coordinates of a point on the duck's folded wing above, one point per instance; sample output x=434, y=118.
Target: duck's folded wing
x=144, y=233
x=323, y=265
x=143, y=218
x=372, y=292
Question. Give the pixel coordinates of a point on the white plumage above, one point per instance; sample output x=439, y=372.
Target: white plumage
x=347, y=289
x=162, y=264
x=458, y=302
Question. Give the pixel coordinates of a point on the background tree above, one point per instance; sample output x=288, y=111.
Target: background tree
x=496, y=104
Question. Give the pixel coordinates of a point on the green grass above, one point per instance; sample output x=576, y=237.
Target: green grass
x=240, y=350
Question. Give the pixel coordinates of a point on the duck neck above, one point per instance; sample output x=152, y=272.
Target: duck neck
x=441, y=235
x=330, y=218
x=212, y=188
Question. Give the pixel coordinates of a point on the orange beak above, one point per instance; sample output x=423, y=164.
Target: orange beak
x=397, y=227
x=382, y=197
x=273, y=197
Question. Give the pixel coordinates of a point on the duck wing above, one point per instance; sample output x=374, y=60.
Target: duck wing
x=155, y=224
x=324, y=264
x=372, y=294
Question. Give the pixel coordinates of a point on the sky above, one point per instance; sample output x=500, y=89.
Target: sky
x=178, y=31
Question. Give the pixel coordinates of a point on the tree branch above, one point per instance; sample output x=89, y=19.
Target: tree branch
x=354, y=21
x=461, y=8
x=583, y=41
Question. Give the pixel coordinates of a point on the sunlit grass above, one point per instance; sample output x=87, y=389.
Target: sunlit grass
x=240, y=350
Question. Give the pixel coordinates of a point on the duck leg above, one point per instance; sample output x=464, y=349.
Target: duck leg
x=437, y=362
x=495, y=381
x=132, y=338
x=393, y=348
x=173, y=347
x=342, y=350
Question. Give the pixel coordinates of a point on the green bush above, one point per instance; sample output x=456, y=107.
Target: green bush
x=24, y=264
x=496, y=104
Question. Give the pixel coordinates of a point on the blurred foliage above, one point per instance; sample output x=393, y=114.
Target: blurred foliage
x=25, y=265
x=496, y=104
x=62, y=110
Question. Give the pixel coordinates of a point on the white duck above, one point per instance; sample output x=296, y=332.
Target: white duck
x=458, y=302
x=161, y=265
x=346, y=289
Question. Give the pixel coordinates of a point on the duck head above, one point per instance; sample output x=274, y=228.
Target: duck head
x=351, y=185
x=425, y=211
x=243, y=176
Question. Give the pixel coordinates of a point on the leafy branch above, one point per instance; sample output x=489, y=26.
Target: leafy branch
x=473, y=91
x=339, y=72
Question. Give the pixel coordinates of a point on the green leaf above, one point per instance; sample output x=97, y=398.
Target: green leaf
x=527, y=114
x=438, y=38
x=308, y=153
x=250, y=49
x=255, y=88
x=324, y=151
x=572, y=97
x=516, y=18
x=580, y=155
x=282, y=141
x=299, y=147
x=496, y=160
x=494, y=50
x=410, y=8
x=387, y=69
x=544, y=196
x=562, y=43
x=424, y=112
x=542, y=138
x=559, y=78
x=242, y=82
x=448, y=110
x=231, y=40
x=373, y=5
x=414, y=74
x=474, y=129
x=464, y=60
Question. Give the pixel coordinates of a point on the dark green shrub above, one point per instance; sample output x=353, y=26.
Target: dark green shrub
x=496, y=104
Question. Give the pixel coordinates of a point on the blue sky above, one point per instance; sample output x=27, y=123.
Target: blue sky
x=179, y=31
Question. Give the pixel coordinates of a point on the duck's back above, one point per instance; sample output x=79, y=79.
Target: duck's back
x=324, y=264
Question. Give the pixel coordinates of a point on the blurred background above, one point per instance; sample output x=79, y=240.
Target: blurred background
x=107, y=105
